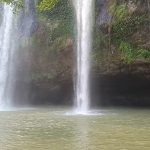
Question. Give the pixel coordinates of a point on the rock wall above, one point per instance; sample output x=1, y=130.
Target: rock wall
x=120, y=59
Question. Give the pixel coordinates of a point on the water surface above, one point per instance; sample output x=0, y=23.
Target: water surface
x=51, y=129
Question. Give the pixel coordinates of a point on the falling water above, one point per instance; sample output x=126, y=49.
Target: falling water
x=84, y=18
x=5, y=47
x=15, y=28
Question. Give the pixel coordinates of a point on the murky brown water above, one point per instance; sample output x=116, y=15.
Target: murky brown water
x=51, y=129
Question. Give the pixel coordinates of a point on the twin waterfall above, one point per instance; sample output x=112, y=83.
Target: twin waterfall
x=84, y=19
x=84, y=10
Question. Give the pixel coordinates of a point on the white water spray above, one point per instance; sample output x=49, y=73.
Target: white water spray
x=15, y=29
x=5, y=47
x=84, y=17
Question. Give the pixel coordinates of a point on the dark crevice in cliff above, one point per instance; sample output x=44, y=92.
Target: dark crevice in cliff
x=121, y=90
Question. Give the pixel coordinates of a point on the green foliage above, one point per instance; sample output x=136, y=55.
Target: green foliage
x=121, y=37
x=17, y=4
x=121, y=12
x=144, y=53
x=62, y=11
x=130, y=52
x=43, y=5
x=60, y=20
x=63, y=29
x=124, y=28
x=46, y=5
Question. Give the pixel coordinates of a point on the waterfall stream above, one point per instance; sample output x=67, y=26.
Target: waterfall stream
x=5, y=50
x=84, y=19
x=15, y=30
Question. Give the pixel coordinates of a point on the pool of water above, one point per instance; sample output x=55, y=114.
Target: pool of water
x=55, y=129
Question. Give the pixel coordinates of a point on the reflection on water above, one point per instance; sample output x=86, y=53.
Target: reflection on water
x=50, y=129
x=82, y=132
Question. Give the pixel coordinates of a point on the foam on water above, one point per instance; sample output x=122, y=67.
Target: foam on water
x=87, y=113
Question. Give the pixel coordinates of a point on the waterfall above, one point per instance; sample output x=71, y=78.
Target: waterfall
x=84, y=19
x=15, y=30
x=5, y=50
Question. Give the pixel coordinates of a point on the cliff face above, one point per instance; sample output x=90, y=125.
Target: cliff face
x=120, y=54
x=51, y=70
